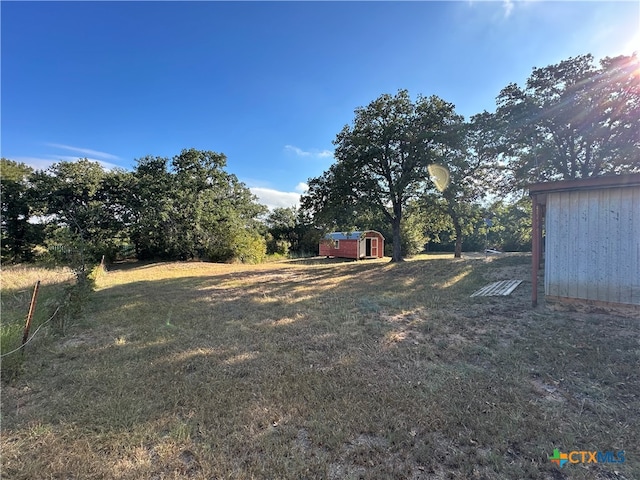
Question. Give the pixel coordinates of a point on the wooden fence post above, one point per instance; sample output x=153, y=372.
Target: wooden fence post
x=32, y=308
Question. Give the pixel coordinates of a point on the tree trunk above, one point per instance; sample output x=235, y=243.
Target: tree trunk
x=396, y=255
x=458, y=229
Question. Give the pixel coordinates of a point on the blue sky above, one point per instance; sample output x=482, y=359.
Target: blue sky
x=269, y=84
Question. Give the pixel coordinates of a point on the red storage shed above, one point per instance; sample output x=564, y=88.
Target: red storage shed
x=356, y=245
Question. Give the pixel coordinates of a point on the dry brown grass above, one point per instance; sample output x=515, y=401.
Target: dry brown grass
x=324, y=370
x=17, y=284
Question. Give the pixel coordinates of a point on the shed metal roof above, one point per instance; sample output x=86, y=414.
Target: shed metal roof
x=605, y=181
x=348, y=235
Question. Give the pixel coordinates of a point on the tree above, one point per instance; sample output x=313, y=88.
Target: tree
x=451, y=220
x=70, y=195
x=414, y=228
x=152, y=228
x=381, y=160
x=307, y=233
x=283, y=235
x=466, y=166
x=19, y=236
x=331, y=201
x=511, y=230
x=227, y=222
x=571, y=120
x=192, y=208
x=114, y=195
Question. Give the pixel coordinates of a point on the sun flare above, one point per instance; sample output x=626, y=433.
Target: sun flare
x=633, y=45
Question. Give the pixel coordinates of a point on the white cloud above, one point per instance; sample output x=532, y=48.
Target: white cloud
x=311, y=153
x=34, y=162
x=70, y=158
x=275, y=198
x=507, y=5
x=297, y=151
x=39, y=163
x=84, y=151
x=302, y=187
x=44, y=161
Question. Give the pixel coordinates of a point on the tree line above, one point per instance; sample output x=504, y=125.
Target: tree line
x=181, y=208
x=572, y=119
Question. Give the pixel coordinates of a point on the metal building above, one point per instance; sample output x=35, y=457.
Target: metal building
x=591, y=239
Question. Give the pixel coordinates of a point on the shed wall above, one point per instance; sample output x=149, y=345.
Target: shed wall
x=346, y=249
x=593, y=245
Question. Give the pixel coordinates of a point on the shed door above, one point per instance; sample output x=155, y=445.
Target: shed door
x=374, y=247
x=371, y=247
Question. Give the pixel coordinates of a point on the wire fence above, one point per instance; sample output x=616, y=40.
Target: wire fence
x=32, y=335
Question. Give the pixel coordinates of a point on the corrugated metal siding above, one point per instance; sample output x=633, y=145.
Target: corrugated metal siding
x=343, y=235
x=503, y=287
x=592, y=245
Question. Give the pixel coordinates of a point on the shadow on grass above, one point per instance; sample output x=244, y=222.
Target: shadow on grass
x=333, y=371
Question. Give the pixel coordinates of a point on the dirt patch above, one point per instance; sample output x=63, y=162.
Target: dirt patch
x=20, y=403
x=360, y=455
x=548, y=392
x=302, y=440
x=78, y=340
x=517, y=272
x=592, y=307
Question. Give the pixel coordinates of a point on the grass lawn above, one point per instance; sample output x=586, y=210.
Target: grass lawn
x=17, y=290
x=324, y=369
